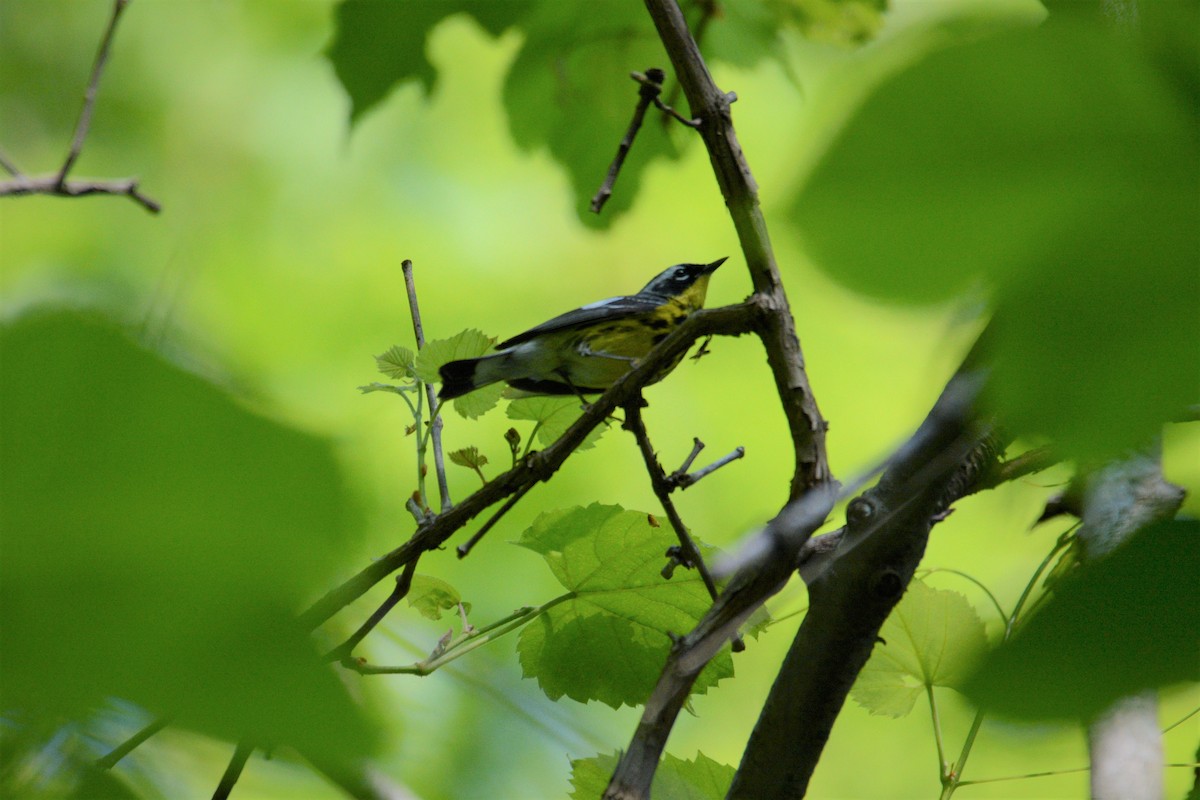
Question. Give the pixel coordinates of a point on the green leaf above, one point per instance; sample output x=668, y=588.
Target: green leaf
x=1119, y=626
x=396, y=363
x=609, y=638
x=933, y=638
x=1056, y=167
x=159, y=539
x=474, y=405
x=466, y=344
x=468, y=457
x=432, y=596
x=553, y=415
x=843, y=22
x=675, y=778
x=569, y=92
x=380, y=43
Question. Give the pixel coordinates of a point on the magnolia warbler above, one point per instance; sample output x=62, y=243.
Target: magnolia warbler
x=588, y=349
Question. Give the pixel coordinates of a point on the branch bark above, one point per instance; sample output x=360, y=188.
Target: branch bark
x=710, y=106
x=884, y=540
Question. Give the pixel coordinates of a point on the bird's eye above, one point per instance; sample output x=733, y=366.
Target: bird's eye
x=680, y=272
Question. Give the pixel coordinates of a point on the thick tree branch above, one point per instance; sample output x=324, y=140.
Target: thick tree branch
x=710, y=106
x=887, y=528
x=539, y=466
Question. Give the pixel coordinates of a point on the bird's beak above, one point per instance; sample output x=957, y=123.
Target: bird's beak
x=711, y=268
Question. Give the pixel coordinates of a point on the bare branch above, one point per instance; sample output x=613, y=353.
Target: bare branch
x=233, y=770
x=126, y=747
x=345, y=650
x=465, y=549
x=691, y=556
x=710, y=106
x=50, y=185
x=685, y=479
x=89, y=97
x=435, y=432
x=57, y=184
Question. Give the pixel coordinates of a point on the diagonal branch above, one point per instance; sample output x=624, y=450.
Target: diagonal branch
x=710, y=106
x=539, y=466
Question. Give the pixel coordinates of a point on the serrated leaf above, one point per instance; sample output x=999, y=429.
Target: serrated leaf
x=431, y=597
x=569, y=92
x=378, y=44
x=609, y=639
x=933, y=638
x=1113, y=628
x=474, y=405
x=674, y=779
x=396, y=363
x=553, y=415
x=470, y=343
x=468, y=457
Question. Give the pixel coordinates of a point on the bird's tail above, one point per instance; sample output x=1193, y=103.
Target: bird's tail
x=467, y=375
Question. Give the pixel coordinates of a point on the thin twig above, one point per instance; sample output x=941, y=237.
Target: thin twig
x=650, y=87
x=697, y=446
x=662, y=490
x=233, y=771
x=9, y=166
x=1029, y=462
x=57, y=183
x=126, y=747
x=89, y=96
x=650, y=84
x=466, y=547
x=49, y=185
x=685, y=479
x=435, y=432
x=345, y=650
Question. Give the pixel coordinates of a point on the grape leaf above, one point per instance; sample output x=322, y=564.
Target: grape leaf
x=396, y=363
x=932, y=638
x=608, y=638
x=675, y=778
x=432, y=596
x=158, y=540
x=553, y=415
x=470, y=343
x=1056, y=167
x=474, y=405
x=378, y=44
x=1113, y=628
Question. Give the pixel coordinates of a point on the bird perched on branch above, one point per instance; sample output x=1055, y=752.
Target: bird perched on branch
x=586, y=350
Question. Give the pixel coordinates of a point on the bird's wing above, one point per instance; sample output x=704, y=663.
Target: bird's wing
x=611, y=309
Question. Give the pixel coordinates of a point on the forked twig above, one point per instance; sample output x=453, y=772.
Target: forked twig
x=57, y=184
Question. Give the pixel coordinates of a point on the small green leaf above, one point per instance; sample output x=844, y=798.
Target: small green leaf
x=469, y=457
x=553, y=415
x=396, y=363
x=467, y=344
x=608, y=640
x=933, y=638
x=675, y=778
x=843, y=22
x=1116, y=627
x=432, y=596
x=474, y=405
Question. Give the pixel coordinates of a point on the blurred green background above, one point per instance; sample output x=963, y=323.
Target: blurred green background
x=274, y=270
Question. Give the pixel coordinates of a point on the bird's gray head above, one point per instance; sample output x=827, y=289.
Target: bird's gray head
x=676, y=280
